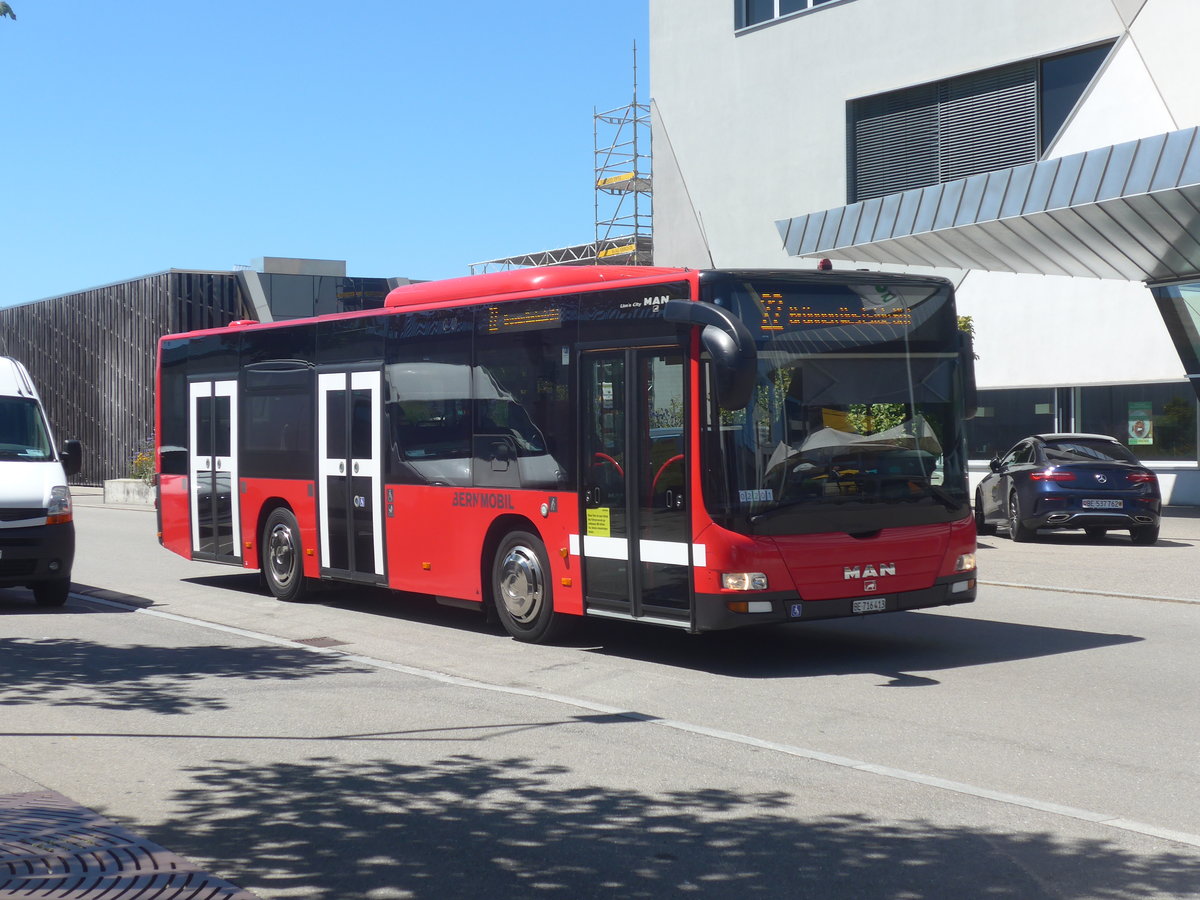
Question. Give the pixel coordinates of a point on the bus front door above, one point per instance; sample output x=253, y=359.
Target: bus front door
x=635, y=531
x=212, y=464
x=349, y=490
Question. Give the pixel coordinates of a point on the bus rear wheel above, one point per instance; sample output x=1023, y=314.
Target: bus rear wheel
x=282, y=559
x=523, y=592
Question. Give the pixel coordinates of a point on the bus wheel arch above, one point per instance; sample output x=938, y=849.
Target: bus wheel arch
x=281, y=553
x=519, y=584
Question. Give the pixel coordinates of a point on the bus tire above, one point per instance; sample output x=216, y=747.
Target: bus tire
x=523, y=592
x=283, y=557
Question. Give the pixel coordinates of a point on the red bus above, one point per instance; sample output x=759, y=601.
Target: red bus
x=695, y=449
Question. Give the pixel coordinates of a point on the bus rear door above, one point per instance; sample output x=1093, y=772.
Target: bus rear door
x=349, y=489
x=212, y=464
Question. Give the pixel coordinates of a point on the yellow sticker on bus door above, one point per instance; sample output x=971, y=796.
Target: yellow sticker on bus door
x=598, y=523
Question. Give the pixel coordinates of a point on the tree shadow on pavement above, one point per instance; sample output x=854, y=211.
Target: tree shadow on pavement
x=464, y=826
x=157, y=679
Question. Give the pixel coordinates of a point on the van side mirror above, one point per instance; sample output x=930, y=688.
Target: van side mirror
x=72, y=457
x=994, y=465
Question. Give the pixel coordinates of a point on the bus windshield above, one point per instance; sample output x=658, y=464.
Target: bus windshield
x=23, y=434
x=854, y=423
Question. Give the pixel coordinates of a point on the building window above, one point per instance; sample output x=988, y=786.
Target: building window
x=755, y=12
x=1008, y=415
x=1156, y=421
x=963, y=126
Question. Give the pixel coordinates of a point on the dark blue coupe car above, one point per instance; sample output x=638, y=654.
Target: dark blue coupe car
x=1060, y=481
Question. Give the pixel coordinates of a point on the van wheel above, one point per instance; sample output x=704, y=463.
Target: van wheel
x=283, y=557
x=52, y=593
x=522, y=590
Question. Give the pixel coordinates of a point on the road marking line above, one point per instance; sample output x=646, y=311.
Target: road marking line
x=1063, y=590
x=845, y=762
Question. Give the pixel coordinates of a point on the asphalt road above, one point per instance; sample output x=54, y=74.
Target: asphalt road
x=1043, y=742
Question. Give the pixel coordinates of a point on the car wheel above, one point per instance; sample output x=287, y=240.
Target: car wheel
x=1144, y=534
x=52, y=593
x=1095, y=534
x=981, y=525
x=282, y=556
x=523, y=592
x=1018, y=532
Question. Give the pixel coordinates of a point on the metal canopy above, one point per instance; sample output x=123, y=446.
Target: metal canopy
x=1129, y=212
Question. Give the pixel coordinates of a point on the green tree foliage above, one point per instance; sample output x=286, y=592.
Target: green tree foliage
x=6, y=10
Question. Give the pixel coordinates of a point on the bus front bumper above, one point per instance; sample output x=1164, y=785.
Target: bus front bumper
x=716, y=612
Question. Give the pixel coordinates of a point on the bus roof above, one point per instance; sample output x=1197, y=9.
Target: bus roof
x=518, y=281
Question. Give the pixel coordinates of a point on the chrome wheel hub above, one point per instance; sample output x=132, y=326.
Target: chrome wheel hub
x=281, y=555
x=521, y=584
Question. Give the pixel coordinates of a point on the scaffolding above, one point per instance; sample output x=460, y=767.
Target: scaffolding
x=621, y=141
x=624, y=212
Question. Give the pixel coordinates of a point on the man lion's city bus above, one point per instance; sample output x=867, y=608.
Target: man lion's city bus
x=694, y=449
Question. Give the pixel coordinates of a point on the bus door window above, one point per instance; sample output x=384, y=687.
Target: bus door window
x=606, y=535
x=662, y=514
x=213, y=468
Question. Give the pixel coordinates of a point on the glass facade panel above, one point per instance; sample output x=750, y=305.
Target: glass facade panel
x=1064, y=79
x=1156, y=421
x=1006, y=416
x=1180, y=309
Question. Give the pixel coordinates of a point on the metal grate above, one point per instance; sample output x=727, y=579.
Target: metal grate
x=322, y=642
x=50, y=847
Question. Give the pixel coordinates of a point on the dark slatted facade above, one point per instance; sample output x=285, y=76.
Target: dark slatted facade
x=91, y=354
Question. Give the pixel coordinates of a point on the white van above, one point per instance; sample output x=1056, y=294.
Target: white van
x=37, y=530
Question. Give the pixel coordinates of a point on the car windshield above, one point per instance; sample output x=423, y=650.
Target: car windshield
x=23, y=434
x=1074, y=450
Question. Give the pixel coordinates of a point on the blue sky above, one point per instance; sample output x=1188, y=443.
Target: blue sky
x=407, y=138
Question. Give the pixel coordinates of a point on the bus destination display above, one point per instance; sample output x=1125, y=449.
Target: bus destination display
x=780, y=313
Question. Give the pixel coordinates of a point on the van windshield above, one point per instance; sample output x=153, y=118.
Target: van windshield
x=23, y=434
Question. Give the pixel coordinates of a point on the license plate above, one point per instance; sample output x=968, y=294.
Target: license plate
x=1103, y=504
x=875, y=604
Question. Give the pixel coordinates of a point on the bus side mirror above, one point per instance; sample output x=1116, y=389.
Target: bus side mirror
x=728, y=341
x=72, y=457
x=966, y=361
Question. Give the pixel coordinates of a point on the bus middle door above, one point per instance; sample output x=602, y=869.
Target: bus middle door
x=349, y=475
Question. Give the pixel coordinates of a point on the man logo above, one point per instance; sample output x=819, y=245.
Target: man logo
x=850, y=573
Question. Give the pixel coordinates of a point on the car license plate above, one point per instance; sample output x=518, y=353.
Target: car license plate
x=874, y=604
x=1102, y=504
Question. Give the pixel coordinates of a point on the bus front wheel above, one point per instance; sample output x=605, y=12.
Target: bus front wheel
x=282, y=560
x=523, y=592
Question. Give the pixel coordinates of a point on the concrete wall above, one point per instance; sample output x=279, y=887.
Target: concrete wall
x=750, y=128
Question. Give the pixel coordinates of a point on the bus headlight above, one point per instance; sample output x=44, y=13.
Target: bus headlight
x=965, y=563
x=743, y=581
